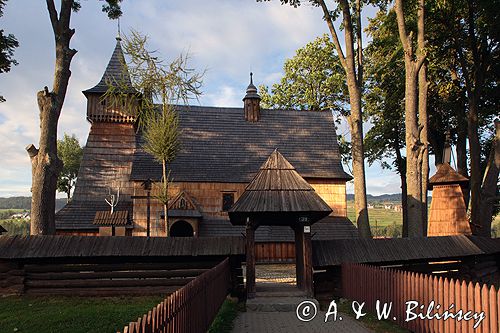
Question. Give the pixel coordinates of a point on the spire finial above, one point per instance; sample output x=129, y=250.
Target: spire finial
x=118, y=36
x=251, y=78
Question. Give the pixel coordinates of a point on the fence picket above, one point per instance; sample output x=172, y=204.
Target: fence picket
x=452, y=300
x=470, y=304
x=365, y=283
x=477, y=306
x=189, y=309
x=493, y=314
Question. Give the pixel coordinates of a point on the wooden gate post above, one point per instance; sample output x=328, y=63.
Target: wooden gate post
x=250, y=260
x=308, y=265
x=299, y=258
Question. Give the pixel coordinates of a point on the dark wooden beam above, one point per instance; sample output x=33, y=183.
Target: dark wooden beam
x=308, y=264
x=299, y=258
x=250, y=261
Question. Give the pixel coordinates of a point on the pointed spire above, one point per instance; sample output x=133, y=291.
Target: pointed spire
x=116, y=73
x=251, y=89
x=118, y=36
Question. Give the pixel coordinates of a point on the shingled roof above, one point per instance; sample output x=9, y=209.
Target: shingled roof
x=445, y=174
x=116, y=74
x=80, y=215
x=106, y=218
x=400, y=250
x=279, y=190
x=219, y=145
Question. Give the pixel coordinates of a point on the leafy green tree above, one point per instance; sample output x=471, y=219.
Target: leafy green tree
x=45, y=165
x=351, y=59
x=7, y=45
x=313, y=80
x=157, y=82
x=473, y=41
x=70, y=153
x=385, y=90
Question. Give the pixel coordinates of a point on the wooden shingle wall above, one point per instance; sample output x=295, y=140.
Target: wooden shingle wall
x=448, y=215
x=334, y=194
x=107, y=161
x=208, y=196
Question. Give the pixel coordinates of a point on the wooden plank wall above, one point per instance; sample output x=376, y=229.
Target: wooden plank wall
x=365, y=283
x=189, y=309
x=275, y=252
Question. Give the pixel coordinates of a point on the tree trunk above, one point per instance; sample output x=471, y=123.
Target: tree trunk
x=475, y=166
x=415, y=148
x=355, y=119
x=404, y=191
x=489, y=194
x=45, y=164
x=422, y=115
x=165, y=195
x=462, y=151
x=413, y=161
x=358, y=166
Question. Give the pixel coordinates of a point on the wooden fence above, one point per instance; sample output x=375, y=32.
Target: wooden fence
x=368, y=284
x=97, y=277
x=189, y=309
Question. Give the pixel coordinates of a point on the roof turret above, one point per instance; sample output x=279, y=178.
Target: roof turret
x=251, y=90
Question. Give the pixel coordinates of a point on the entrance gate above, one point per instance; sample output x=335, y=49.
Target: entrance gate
x=278, y=195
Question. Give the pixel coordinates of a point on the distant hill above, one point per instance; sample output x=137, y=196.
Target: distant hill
x=25, y=203
x=396, y=197
x=379, y=198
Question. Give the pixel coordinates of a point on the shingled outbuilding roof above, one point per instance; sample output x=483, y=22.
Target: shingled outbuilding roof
x=107, y=218
x=219, y=145
x=80, y=215
x=279, y=195
x=445, y=174
x=116, y=74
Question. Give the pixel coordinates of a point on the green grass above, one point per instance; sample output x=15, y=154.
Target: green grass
x=383, y=222
x=223, y=322
x=379, y=216
x=16, y=226
x=71, y=314
x=387, y=222
x=370, y=320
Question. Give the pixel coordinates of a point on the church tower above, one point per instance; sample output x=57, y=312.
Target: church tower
x=108, y=154
x=116, y=75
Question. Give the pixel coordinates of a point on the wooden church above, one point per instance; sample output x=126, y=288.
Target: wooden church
x=221, y=151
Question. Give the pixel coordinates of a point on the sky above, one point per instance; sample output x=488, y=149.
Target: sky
x=227, y=38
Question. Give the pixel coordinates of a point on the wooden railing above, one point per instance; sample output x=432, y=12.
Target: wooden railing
x=189, y=309
x=368, y=284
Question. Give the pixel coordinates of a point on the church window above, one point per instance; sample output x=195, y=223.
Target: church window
x=227, y=201
x=182, y=204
